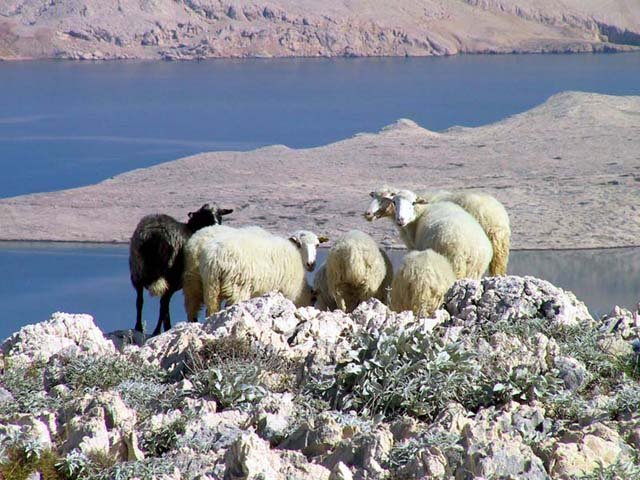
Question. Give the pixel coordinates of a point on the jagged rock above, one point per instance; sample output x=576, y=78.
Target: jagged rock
x=100, y=423
x=89, y=435
x=506, y=353
x=250, y=458
x=255, y=320
x=124, y=338
x=64, y=333
x=578, y=453
x=169, y=350
x=316, y=436
x=368, y=451
x=572, y=372
x=5, y=397
x=30, y=428
x=514, y=299
x=404, y=428
x=340, y=472
x=273, y=415
x=622, y=322
x=494, y=445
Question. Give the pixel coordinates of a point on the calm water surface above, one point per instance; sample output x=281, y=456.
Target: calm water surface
x=94, y=279
x=66, y=124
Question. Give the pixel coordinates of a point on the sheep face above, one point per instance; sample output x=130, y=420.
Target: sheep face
x=404, y=203
x=307, y=242
x=378, y=208
x=381, y=203
x=207, y=215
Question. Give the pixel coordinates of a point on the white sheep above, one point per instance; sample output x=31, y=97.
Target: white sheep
x=446, y=228
x=486, y=209
x=197, y=244
x=357, y=269
x=324, y=301
x=494, y=220
x=421, y=282
x=245, y=264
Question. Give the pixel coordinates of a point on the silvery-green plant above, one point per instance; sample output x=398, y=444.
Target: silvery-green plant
x=75, y=465
x=621, y=470
x=234, y=372
x=403, y=371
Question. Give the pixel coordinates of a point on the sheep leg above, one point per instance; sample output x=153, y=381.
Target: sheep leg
x=340, y=302
x=192, y=305
x=164, y=319
x=139, y=303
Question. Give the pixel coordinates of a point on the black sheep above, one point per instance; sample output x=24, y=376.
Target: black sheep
x=156, y=257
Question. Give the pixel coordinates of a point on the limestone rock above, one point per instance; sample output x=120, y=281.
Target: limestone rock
x=514, y=299
x=66, y=333
x=579, y=453
x=170, y=350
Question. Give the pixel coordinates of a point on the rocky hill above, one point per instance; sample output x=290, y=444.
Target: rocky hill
x=511, y=379
x=568, y=172
x=195, y=29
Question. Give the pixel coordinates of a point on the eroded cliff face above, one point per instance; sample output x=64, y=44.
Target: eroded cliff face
x=195, y=29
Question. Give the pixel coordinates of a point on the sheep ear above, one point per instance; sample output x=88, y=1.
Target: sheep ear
x=295, y=240
x=323, y=239
x=421, y=201
x=387, y=195
x=372, y=194
x=206, y=206
x=225, y=211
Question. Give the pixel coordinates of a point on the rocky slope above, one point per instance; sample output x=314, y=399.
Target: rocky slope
x=512, y=379
x=568, y=172
x=188, y=29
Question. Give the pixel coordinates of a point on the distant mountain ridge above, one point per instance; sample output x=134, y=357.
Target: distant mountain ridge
x=197, y=29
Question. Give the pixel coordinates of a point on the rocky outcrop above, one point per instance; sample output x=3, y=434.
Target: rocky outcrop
x=513, y=379
x=196, y=29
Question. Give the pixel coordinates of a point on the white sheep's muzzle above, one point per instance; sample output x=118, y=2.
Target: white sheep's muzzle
x=309, y=256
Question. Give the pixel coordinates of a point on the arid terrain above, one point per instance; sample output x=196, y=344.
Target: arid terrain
x=568, y=172
x=196, y=29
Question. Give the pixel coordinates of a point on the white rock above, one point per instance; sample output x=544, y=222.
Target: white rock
x=66, y=333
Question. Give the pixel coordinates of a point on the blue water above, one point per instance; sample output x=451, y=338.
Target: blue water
x=41, y=279
x=66, y=124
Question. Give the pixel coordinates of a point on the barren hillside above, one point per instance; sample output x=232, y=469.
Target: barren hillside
x=194, y=29
x=568, y=172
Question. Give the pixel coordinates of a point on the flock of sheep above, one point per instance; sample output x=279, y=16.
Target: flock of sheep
x=449, y=235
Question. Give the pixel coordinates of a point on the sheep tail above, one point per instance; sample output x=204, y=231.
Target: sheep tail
x=501, y=243
x=158, y=288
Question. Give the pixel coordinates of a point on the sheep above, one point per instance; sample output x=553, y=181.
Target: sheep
x=241, y=265
x=156, y=257
x=487, y=210
x=324, y=301
x=357, y=269
x=194, y=248
x=446, y=228
x=421, y=282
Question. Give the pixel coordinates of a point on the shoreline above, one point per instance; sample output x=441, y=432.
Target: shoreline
x=609, y=49
x=393, y=248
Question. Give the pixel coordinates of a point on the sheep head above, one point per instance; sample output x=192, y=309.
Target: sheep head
x=381, y=204
x=307, y=242
x=207, y=215
x=404, y=202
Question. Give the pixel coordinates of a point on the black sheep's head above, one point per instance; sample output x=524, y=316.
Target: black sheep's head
x=207, y=215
